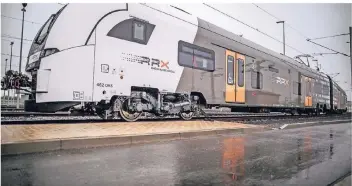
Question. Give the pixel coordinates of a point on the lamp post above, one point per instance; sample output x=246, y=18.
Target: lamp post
x=5, y=65
x=351, y=52
x=8, y=91
x=283, y=30
x=20, y=65
x=11, y=44
x=23, y=10
x=4, y=82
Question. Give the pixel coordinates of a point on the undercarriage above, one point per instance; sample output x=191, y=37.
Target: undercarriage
x=151, y=101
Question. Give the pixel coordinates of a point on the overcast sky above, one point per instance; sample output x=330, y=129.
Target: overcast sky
x=303, y=20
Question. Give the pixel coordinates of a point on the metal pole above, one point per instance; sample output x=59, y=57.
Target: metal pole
x=23, y=10
x=5, y=65
x=8, y=90
x=284, y=35
x=20, y=65
x=351, y=53
x=11, y=55
x=4, y=82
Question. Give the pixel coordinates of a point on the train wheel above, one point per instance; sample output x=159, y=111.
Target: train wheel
x=186, y=115
x=128, y=115
x=299, y=112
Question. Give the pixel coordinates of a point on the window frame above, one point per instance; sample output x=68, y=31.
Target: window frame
x=272, y=69
x=144, y=41
x=233, y=70
x=258, y=76
x=199, y=48
x=299, y=89
x=240, y=72
x=42, y=35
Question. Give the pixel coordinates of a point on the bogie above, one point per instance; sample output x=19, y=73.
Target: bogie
x=150, y=101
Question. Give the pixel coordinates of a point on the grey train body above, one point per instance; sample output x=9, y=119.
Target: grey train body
x=284, y=83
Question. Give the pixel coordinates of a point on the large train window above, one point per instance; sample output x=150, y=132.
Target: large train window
x=256, y=80
x=318, y=88
x=230, y=70
x=133, y=30
x=196, y=57
x=297, y=88
x=240, y=72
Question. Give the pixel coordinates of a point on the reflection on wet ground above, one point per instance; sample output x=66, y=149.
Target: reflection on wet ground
x=305, y=156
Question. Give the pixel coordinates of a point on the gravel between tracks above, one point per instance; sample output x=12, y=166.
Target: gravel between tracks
x=270, y=121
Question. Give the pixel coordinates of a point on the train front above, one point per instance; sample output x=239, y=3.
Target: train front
x=37, y=52
x=61, y=58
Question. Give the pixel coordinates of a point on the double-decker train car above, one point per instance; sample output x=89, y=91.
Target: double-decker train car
x=126, y=59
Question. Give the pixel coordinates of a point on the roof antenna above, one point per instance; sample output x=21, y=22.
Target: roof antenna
x=306, y=56
x=317, y=67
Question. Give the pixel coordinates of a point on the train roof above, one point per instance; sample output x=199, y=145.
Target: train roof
x=227, y=37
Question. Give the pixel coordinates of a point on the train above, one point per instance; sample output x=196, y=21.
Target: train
x=125, y=59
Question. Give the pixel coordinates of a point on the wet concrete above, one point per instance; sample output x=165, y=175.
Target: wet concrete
x=305, y=156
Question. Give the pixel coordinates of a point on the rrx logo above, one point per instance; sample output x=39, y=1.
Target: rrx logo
x=280, y=80
x=155, y=64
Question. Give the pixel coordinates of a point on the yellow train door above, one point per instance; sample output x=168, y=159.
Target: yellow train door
x=240, y=78
x=308, y=93
x=235, y=77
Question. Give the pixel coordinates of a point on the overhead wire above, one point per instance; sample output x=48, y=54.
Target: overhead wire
x=13, y=37
x=329, y=36
x=328, y=48
x=18, y=19
x=277, y=18
x=12, y=55
x=15, y=41
x=256, y=29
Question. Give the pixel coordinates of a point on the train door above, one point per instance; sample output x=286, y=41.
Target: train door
x=235, y=77
x=307, y=83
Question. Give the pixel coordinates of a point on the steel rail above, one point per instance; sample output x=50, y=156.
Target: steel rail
x=217, y=117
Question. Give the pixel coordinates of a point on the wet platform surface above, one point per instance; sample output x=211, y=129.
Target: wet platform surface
x=23, y=133
x=311, y=156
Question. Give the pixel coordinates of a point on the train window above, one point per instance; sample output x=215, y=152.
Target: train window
x=308, y=88
x=139, y=31
x=44, y=31
x=318, y=88
x=256, y=80
x=193, y=56
x=133, y=30
x=230, y=70
x=240, y=72
x=326, y=90
x=297, y=88
x=272, y=69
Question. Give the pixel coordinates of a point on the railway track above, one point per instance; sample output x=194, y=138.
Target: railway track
x=250, y=118
x=28, y=118
x=19, y=113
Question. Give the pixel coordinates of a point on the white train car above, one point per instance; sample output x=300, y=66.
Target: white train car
x=90, y=53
